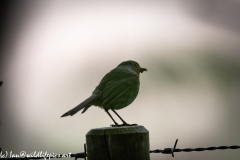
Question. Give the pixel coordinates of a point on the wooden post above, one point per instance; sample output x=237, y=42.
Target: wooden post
x=118, y=143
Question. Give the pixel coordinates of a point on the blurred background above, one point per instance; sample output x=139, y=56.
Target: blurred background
x=54, y=54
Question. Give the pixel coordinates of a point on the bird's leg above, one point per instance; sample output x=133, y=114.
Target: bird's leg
x=116, y=124
x=124, y=123
x=119, y=116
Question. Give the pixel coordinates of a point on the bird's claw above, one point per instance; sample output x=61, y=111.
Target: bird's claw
x=121, y=125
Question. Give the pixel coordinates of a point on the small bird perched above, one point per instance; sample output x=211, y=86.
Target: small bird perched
x=116, y=90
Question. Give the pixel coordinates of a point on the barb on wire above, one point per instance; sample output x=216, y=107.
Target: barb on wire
x=166, y=150
x=174, y=149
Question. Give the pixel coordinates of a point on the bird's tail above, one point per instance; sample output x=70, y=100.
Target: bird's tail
x=85, y=104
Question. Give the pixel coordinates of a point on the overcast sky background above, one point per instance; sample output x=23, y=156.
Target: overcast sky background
x=54, y=53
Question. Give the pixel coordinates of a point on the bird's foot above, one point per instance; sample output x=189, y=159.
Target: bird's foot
x=124, y=124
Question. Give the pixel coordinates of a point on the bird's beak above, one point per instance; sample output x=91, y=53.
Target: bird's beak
x=142, y=70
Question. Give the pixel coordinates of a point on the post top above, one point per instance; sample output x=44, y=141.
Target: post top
x=117, y=130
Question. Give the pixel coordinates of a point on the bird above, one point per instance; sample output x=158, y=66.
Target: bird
x=117, y=89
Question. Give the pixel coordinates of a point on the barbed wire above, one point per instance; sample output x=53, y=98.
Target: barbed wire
x=174, y=149
x=164, y=151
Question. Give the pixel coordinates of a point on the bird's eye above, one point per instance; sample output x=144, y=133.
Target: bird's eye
x=136, y=64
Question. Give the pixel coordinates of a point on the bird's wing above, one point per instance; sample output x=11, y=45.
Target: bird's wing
x=117, y=90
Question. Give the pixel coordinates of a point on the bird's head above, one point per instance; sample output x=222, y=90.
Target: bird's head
x=134, y=65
